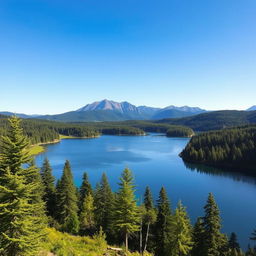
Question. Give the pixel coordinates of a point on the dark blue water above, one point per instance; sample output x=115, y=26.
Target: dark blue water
x=155, y=162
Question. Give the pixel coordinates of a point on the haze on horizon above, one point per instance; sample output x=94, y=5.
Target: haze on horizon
x=57, y=56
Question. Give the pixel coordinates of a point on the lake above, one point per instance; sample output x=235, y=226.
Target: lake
x=155, y=162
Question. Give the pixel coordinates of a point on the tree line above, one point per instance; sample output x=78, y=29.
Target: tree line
x=31, y=200
x=232, y=148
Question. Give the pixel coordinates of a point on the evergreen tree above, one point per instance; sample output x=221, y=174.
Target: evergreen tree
x=233, y=243
x=87, y=219
x=126, y=217
x=212, y=224
x=49, y=196
x=163, y=225
x=182, y=233
x=67, y=201
x=85, y=189
x=104, y=203
x=21, y=208
x=149, y=217
x=198, y=238
x=253, y=236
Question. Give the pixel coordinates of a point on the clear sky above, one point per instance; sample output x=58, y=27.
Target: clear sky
x=58, y=55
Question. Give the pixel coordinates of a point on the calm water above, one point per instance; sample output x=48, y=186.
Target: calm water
x=155, y=162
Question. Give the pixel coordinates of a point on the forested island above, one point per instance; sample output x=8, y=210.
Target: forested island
x=230, y=148
x=39, y=215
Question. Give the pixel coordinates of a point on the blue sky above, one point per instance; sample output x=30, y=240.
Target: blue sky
x=58, y=55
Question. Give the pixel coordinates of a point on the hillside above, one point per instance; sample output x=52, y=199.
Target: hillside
x=64, y=244
x=214, y=120
x=231, y=148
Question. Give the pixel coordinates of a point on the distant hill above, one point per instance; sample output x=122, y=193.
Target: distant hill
x=107, y=110
x=6, y=113
x=214, y=120
x=253, y=108
x=176, y=112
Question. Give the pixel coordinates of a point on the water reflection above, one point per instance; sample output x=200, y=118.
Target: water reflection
x=237, y=176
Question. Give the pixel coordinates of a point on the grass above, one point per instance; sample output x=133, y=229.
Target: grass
x=67, y=137
x=36, y=149
x=63, y=244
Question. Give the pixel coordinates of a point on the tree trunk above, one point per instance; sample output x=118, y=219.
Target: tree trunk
x=141, y=237
x=146, y=240
x=126, y=241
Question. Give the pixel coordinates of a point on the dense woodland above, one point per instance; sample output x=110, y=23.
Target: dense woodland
x=214, y=120
x=232, y=148
x=42, y=131
x=31, y=200
x=179, y=131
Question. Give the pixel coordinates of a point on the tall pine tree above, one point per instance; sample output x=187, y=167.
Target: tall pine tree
x=67, y=201
x=104, y=203
x=149, y=217
x=181, y=238
x=49, y=196
x=198, y=238
x=21, y=207
x=87, y=218
x=212, y=225
x=126, y=216
x=163, y=225
x=85, y=189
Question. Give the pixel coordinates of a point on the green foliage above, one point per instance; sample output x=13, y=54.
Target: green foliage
x=63, y=244
x=214, y=120
x=233, y=243
x=67, y=200
x=179, y=131
x=214, y=240
x=87, y=219
x=234, y=148
x=181, y=239
x=49, y=196
x=163, y=224
x=198, y=238
x=104, y=205
x=21, y=205
x=85, y=190
x=126, y=216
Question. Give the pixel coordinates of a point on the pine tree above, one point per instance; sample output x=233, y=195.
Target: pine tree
x=21, y=207
x=181, y=243
x=253, y=236
x=126, y=217
x=87, y=219
x=163, y=224
x=198, y=238
x=212, y=224
x=149, y=217
x=67, y=201
x=49, y=196
x=85, y=189
x=233, y=243
x=104, y=203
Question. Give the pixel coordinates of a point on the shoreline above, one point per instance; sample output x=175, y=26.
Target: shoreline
x=39, y=148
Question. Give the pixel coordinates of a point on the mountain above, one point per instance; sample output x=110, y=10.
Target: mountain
x=214, y=120
x=176, y=112
x=253, y=108
x=6, y=113
x=107, y=110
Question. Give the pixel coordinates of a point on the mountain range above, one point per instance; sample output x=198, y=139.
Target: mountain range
x=107, y=110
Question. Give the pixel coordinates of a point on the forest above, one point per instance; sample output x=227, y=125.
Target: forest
x=43, y=131
x=39, y=213
x=231, y=148
x=214, y=120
